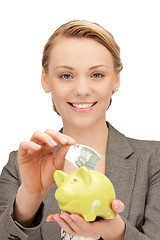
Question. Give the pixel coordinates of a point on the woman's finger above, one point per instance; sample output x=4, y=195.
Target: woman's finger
x=62, y=221
x=25, y=146
x=43, y=138
x=59, y=137
x=117, y=206
x=71, y=221
x=59, y=160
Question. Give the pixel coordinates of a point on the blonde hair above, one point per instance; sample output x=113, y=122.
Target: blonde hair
x=83, y=29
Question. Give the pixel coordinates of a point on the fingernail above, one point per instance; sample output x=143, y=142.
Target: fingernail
x=73, y=218
x=72, y=140
x=49, y=219
x=56, y=219
x=37, y=146
x=53, y=143
x=117, y=205
x=64, y=139
x=64, y=217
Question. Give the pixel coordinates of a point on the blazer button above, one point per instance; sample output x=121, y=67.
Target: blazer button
x=13, y=237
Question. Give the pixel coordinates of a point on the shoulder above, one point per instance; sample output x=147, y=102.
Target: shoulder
x=136, y=144
x=11, y=169
x=13, y=159
x=147, y=152
x=127, y=146
x=143, y=145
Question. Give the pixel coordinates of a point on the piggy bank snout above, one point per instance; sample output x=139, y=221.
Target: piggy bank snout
x=60, y=195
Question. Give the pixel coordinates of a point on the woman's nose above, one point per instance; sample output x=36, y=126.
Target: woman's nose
x=82, y=87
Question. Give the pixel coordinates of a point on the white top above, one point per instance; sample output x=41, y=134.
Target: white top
x=65, y=236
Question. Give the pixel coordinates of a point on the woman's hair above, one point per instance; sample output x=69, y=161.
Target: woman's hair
x=83, y=29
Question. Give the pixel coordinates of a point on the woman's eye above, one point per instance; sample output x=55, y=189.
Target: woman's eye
x=97, y=75
x=66, y=76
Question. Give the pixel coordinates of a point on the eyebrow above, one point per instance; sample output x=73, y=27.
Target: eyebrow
x=91, y=68
x=97, y=66
x=64, y=67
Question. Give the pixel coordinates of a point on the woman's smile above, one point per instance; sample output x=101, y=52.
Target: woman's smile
x=82, y=106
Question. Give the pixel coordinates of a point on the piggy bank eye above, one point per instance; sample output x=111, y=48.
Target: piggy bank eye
x=73, y=180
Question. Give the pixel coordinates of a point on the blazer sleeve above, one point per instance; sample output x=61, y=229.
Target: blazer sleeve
x=9, y=184
x=150, y=229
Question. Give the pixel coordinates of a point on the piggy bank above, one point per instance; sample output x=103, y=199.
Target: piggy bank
x=85, y=192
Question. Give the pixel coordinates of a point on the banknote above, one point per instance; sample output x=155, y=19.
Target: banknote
x=82, y=155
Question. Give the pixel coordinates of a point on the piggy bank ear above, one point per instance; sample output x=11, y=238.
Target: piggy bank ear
x=84, y=173
x=59, y=177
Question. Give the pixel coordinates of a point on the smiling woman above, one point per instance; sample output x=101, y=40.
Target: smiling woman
x=81, y=69
x=88, y=83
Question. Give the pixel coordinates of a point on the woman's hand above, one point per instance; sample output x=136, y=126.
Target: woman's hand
x=37, y=163
x=37, y=160
x=109, y=229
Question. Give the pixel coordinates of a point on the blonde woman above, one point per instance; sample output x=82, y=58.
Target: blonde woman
x=81, y=69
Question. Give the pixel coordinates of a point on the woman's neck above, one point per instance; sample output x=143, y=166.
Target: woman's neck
x=94, y=136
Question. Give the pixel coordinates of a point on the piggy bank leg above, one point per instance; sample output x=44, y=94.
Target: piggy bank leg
x=108, y=213
x=89, y=217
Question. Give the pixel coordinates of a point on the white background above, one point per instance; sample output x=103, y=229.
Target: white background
x=25, y=27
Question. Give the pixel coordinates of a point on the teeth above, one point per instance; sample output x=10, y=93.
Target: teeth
x=83, y=105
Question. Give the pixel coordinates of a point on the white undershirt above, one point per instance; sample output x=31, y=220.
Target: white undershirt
x=65, y=236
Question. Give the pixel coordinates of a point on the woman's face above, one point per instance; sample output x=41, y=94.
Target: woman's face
x=81, y=78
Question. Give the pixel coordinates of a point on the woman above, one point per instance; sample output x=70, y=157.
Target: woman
x=81, y=68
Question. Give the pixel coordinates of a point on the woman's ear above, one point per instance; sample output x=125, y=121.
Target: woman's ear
x=44, y=82
x=118, y=80
x=117, y=83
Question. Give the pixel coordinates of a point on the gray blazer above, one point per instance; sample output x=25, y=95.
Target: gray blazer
x=132, y=165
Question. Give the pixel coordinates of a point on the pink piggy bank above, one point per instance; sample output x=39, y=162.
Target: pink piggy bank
x=85, y=192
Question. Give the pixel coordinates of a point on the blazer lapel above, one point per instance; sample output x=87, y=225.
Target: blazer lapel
x=121, y=164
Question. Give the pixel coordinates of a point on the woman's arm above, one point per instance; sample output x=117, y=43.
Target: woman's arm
x=150, y=229
x=9, y=184
x=37, y=163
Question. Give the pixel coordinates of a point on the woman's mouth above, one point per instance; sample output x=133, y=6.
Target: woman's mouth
x=82, y=107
